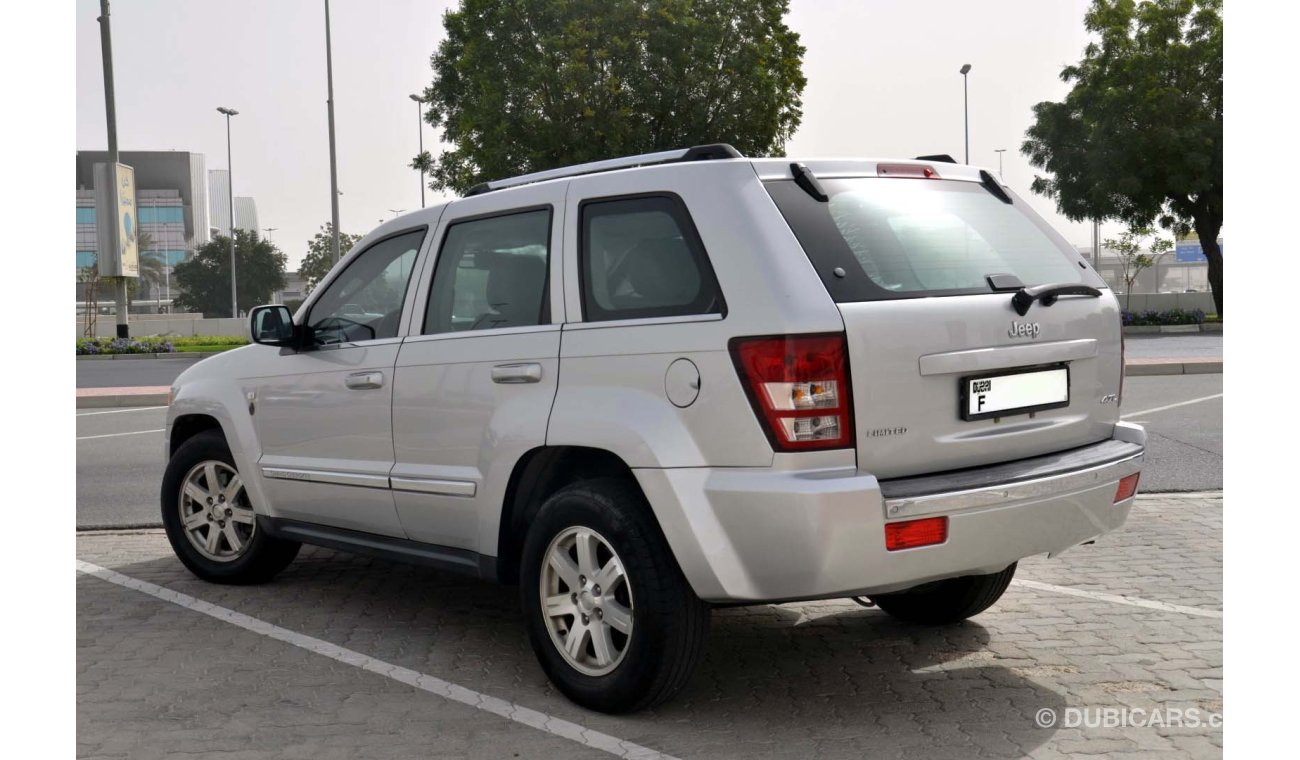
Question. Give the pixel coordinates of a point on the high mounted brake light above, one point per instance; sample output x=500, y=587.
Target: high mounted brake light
x=799, y=386
x=914, y=171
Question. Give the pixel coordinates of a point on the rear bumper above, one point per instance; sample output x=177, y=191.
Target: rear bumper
x=750, y=534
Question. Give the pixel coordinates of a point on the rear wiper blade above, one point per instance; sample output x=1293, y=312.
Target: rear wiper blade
x=1047, y=294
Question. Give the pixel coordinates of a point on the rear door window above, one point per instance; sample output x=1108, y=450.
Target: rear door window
x=905, y=238
x=642, y=258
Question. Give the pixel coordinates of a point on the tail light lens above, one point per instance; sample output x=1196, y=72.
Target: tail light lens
x=799, y=386
x=910, y=534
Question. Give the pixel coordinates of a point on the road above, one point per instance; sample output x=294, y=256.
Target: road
x=347, y=657
x=120, y=451
x=121, y=373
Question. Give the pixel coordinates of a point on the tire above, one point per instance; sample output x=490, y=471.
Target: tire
x=669, y=625
x=257, y=558
x=947, y=601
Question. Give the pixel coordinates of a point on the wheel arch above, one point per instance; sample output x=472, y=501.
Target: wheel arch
x=186, y=426
x=537, y=475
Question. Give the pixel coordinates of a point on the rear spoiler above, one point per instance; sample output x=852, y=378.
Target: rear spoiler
x=940, y=157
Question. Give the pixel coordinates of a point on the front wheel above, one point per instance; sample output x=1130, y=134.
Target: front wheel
x=947, y=601
x=614, y=623
x=209, y=520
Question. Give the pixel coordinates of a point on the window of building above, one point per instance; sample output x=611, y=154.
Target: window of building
x=365, y=301
x=641, y=258
x=491, y=273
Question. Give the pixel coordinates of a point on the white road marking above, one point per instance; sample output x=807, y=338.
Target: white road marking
x=446, y=689
x=1116, y=599
x=114, y=435
x=121, y=411
x=1171, y=406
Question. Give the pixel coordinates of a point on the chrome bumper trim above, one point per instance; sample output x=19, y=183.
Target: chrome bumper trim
x=975, y=498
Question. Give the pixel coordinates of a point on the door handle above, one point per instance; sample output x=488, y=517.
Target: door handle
x=526, y=372
x=364, y=380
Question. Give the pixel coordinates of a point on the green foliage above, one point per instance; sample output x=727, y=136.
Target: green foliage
x=320, y=255
x=1165, y=317
x=159, y=344
x=527, y=85
x=1135, y=255
x=1139, y=137
x=203, y=282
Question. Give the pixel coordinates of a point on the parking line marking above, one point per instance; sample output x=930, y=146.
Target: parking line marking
x=1171, y=406
x=120, y=411
x=1116, y=599
x=114, y=435
x=446, y=689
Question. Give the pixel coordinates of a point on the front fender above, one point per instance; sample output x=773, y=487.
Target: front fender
x=223, y=400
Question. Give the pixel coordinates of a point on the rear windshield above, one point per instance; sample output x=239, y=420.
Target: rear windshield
x=905, y=238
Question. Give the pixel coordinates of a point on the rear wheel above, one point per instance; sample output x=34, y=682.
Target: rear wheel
x=209, y=520
x=947, y=601
x=614, y=623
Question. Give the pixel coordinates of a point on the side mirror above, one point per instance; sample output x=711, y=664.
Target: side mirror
x=272, y=325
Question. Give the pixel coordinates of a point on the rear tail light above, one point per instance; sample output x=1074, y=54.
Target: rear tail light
x=1127, y=487
x=799, y=386
x=910, y=534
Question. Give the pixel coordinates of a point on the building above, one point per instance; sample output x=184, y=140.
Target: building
x=219, y=205
x=171, y=203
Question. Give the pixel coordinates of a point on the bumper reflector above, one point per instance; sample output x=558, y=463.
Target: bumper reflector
x=910, y=534
x=1127, y=487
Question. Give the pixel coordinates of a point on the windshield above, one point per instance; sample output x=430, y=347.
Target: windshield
x=901, y=238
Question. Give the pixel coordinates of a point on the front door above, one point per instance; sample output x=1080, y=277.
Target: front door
x=476, y=377
x=325, y=419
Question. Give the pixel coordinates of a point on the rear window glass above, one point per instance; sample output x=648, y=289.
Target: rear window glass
x=904, y=238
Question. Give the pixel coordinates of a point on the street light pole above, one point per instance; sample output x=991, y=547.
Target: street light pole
x=110, y=111
x=965, y=99
x=396, y=211
x=268, y=231
x=419, y=125
x=334, y=169
x=999, y=151
x=230, y=187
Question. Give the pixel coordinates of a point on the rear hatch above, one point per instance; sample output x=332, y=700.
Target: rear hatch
x=945, y=372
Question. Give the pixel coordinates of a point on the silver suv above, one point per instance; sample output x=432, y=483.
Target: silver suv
x=642, y=387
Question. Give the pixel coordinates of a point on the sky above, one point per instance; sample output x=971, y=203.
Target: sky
x=883, y=81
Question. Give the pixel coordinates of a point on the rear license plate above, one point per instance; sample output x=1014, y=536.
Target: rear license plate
x=1016, y=391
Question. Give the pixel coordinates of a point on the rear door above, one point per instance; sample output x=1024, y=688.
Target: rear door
x=945, y=373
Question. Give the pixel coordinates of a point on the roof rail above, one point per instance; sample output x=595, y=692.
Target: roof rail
x=697, y=153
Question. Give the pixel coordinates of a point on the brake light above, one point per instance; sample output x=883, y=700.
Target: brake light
x=799, y=386
x=916, y=171
x=1127, y=487
x=910, y=534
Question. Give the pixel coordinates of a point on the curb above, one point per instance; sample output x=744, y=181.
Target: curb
x=1148, y=367
x=98, y=398
x=1204, y=327
x=172, y=355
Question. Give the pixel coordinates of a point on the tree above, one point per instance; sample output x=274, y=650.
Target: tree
x=527, y=85
x=1134, y=259
x=320, y=254
x=204, y=280
x=1139, y=138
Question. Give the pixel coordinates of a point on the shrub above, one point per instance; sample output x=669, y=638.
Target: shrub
x=1165, y=317
x=157, y=344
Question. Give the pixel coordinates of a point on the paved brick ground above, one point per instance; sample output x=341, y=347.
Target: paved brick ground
x=826, y=679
